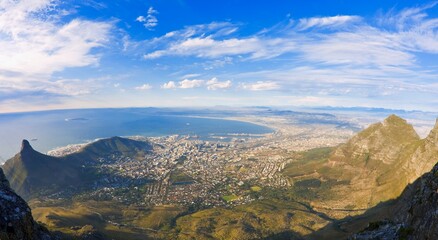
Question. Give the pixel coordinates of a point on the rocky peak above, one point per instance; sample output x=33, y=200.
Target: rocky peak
x=393, y=127
x=384, y=140
x=394, y=119
x=398, y=125
x=25, y=146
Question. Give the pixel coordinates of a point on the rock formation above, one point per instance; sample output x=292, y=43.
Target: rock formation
x=16, y=222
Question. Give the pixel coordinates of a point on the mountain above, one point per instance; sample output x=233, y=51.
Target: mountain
x=377, y=163
x=372, y=167
x=113, y=145
x=16, y=221
x=30, y=170
x=32, y=173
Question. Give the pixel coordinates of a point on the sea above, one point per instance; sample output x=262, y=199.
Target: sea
x=47, y=130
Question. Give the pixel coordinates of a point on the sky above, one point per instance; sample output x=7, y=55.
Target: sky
x=187, y=53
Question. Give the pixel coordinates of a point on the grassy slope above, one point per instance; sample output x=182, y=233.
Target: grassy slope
x=136, y=222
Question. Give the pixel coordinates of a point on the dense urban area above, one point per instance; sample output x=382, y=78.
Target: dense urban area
x=186, y=170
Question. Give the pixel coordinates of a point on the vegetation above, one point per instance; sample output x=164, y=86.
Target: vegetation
x=230, y=198
x=179, y=176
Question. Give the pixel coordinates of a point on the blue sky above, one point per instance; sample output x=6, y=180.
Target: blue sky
x=127, y=53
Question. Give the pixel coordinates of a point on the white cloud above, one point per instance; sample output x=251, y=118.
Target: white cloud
x=215, y=84
x=190, y=75
x=335, y=21
x=150, y=21
x=34, y=45
x=365, y=46
x=207, y=47
x=212, y=84
x=334, y=40
x=169, y=85
x=186, y=83
x=261, y=86
x=144, y=87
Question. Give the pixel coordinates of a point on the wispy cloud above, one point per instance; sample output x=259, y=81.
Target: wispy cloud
x=345, y=39
x=260, y=86
x=208, y=47
x=150, y=21
x=212, y=84
x=334, y=22
x=327, y=57
x=143, y=87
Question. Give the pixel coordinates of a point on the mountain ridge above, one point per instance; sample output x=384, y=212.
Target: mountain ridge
x=30, y=171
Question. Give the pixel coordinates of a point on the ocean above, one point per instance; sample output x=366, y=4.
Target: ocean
x=48, y=130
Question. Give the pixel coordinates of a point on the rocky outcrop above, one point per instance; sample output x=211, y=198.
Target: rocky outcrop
x=385, y=229
x=417, y=207
x=16, y=222
x=414, y=216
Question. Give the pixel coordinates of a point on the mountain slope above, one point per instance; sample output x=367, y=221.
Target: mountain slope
x=375, y=162
x=31, y=173
x=16, y=222
x=113, y=145
x=372, y=167
x=417, y=207
x=29, y=170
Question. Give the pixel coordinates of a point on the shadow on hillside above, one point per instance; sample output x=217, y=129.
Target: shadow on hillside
x=344, y=228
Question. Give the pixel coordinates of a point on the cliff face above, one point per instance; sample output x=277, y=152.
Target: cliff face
x=414, y=215
x=425, y=155
x=16, y=222
x=417, y=207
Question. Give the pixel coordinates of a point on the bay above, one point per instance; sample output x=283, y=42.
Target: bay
x=51, y=129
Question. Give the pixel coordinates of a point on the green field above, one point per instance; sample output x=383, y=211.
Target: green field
x=229, y=198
